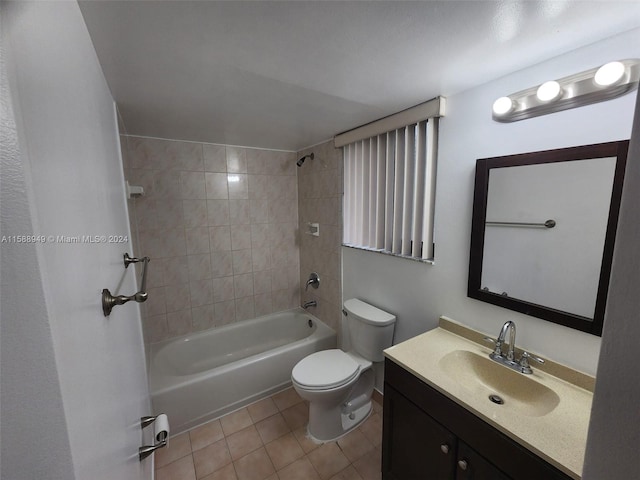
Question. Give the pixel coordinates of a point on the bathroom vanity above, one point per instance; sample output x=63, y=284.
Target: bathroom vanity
x=439, y=422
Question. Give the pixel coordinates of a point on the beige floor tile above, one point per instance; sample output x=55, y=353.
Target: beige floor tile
x=299, y=470
x=181, y=469
x=178, y=447
x=296, y=416
x=254, y=466
x=272, y=428
x=369, y=466
x=262, y=409
x=328, y=460
x=377, y=407
x=225, y=473
x=349, y=473
x=236, y=421
x=372, y=429
x=287, y=398
x=211, y=458
x=206, y=434
x=284, y=450
x=354, y=445
x=245, y=441
x=305, y=442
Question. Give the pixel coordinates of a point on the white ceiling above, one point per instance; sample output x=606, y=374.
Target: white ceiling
x=285, y=75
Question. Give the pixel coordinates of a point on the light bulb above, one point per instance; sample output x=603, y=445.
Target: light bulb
x=548, y=91
x=503, y=105
x=609, y=74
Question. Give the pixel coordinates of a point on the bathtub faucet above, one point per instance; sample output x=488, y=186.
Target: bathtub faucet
x=312, y=303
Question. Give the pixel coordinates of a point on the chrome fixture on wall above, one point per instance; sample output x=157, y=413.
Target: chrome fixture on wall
x=314, y=281
x=311, y=303
x=509, y=360
x=160, y=434
x=609, y=81
x=301, y=161
x=109, y=301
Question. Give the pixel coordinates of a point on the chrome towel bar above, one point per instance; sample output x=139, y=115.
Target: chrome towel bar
x=547, y=224
x=109, y=301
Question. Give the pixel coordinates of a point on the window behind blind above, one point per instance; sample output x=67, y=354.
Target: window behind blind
x=389, y=191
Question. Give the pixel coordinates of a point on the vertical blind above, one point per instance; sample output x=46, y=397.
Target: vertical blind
x=389, y=191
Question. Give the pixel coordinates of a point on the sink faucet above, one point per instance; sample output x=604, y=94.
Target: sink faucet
x=311, y=303
x=508, y=360
x=512, y=339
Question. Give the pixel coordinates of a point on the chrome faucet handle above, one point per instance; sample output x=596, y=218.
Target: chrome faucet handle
x=314, y=281
x=524, y=362
x=498, y=345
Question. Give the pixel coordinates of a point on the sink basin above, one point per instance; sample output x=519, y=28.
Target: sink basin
x=484, y=377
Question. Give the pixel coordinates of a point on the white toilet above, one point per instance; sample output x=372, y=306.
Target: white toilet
x=337, y=384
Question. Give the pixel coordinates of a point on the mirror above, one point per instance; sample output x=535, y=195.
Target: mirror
x=543, y=232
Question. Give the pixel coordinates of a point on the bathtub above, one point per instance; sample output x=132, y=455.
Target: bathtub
x=205, y=375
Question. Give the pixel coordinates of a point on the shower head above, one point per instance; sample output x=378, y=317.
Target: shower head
x=301, y=161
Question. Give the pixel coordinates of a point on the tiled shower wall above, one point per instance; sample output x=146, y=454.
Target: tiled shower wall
x=320, y=201
x=220, y=224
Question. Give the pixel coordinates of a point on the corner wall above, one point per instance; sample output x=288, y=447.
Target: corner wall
x=612, y=444
x=320, y=201
x=419, y=294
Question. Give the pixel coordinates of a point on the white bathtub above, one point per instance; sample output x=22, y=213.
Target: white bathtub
x=205, y=375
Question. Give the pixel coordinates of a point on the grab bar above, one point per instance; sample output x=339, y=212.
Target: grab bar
x=547, y=224
x=109, y=301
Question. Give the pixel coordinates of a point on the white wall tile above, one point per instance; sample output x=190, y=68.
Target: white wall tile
x=201, y=292
x=197, y=240
x=218, y=212
x=223, y=289
x=195, y=213
x=216, y=186
x=215, y=159
x=236, y=160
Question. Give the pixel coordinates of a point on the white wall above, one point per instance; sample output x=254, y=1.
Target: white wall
x=612, y=445
x=33, y=409
x=418, y=294
x=85, y=371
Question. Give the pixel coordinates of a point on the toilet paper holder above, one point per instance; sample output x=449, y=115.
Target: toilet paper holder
x=160, y=436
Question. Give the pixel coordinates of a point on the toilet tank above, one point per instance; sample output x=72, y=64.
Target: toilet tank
x=370, y=329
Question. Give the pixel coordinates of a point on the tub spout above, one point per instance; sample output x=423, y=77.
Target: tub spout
x=312, y=303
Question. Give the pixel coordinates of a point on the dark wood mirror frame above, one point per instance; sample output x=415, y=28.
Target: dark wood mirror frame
x=483, y=166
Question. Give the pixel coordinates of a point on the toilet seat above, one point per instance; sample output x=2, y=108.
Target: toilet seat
x=325, y=370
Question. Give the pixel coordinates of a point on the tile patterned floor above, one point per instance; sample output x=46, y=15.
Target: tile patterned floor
x=266, y=441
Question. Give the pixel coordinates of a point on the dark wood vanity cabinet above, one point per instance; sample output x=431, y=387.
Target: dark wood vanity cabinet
x=427, y=436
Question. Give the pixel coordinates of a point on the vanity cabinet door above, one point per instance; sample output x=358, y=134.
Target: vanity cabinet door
x=471, y=466
x=415, y=446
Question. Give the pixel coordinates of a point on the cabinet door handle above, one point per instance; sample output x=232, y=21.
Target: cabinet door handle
x=463, y=464
x=445, y=448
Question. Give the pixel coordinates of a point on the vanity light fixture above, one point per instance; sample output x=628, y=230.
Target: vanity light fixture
x=609, y=81
x=609, y=74
x=549, y=91
x=503, y=105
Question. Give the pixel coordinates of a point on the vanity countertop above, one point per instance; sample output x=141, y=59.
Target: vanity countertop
x=559, y=437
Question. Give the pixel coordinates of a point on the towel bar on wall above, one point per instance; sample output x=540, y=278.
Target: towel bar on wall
x=547, y=224
x=109, y=301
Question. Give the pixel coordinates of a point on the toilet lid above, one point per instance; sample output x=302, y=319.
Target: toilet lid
x=325, y=369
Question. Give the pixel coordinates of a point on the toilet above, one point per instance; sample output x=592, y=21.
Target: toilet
x=338, y=385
